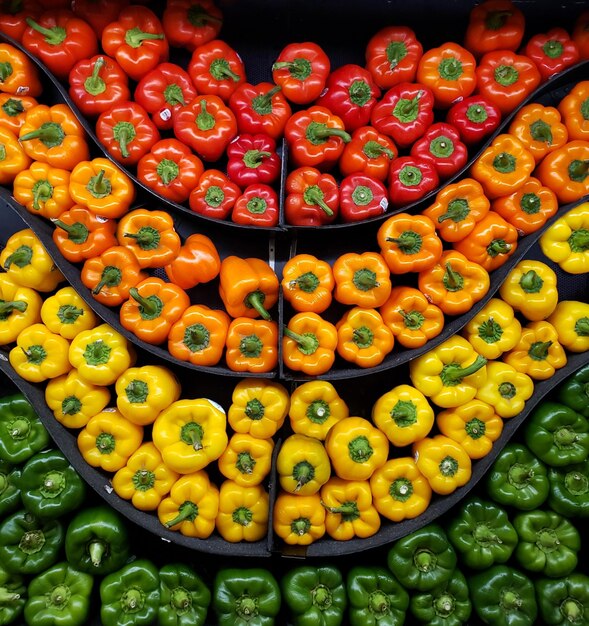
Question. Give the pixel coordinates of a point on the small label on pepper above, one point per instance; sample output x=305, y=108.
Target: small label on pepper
x=216, y=405
x=165, y=114
x=384, y=204
x=22, y=90
x=101, y=219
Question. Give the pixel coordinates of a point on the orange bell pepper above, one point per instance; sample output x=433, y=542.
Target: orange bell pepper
x=574, y=108
x=494, y=25
x=566, y=171
x=251, y=345
x=361, y=279
x=13, y=110
x=307, y=283
x=18, y=74
x=197, y=261
x=13, y=158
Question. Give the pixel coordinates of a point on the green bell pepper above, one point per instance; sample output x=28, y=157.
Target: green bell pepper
x=9, y=488
x=12, y=596
x=503, y=596
x=50, y=486
x=131, y=595
x=569, y=489
x=246, y=597
x=517, y=478
x=557, y=435
x=97, y=540
x=59, y=596
x=574, y=392
x=423, y=559
x=446, y=605
x=22, y=433
x=29, y=545
x=315, y=595
x=376, y=597
x=482, y=534
x=184, y=598
x=564, y=601
x=548, y=543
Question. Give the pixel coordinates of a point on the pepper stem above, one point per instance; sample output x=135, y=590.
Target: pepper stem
x=97, y=551
x=94, y=84
x=53, y=36
x=6, y=308
x=307, y=343
x=453, y=373
x=134, y=37
x=255, y=300
x=187, y=511
x=314, y=195
x=77, y=232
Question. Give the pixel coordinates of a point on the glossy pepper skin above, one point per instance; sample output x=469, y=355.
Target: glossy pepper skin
x=505, y=389
x=19, y=308
x=443, y=461
x=566, y=171
x=184, y=596
x=43, y=190
x=441, y=146
x=565, y=240
x=14, y=158
x=13, y=587
x=98, y=13
x=18, y=75
x=307, y=283
x=475, y=118
x=197, y=262
x=573, y=111
x=9, y=490
x=257, y=206
x=253, y=159
x=246, y=459
x=23, y=433
x=569, y=490
x=570, y=318
x=312, y=197
x=363, y=337
x=574, y=391
x=494, y=25
x=302, y=465
x=361, y=279
x=188, y=24
x=368, y=152
x=552, y=52
x=298, y=520
x=214, y=195
x=410, y=179
x=309, y=343
x=251, y=345
x=564, y=599
x=448, y=603
x=12, y=22
x=243, y=512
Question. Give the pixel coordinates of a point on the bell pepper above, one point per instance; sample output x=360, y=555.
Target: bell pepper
x=184, y=596
x=423, y=559
x=197, y=262
x=10, y=492
x=552, y=52
x=14, y=14
x=23, y=433
x=314, y=594
x=307, y=283
x=190, y=434
x=144, y=479
x=199, y=335
x=214, y=195
x=363, y=337
x=404, y=113
x=73, y=400
x=504, y=596
x=130, y=595
x=96, y=84
x=312, y=197
x=361, y=279
x=475, y=118
x=59, y=39
x=102, y=188
x=43, y=190
x=20, y=307
x=13, y=111
x=569, y=490
x=170, y=169
x=14, y=594
x=566, y=171
x=66, y=314
x=444, y=463
x=566, y=241
x=392, y=55
x=253, y=159
x=256, y=206
x=574, y=391
x=573, y=109
x=410, y=179
x=579, y=34
x=548, y=543
x=350, y=93
x=192, y=506
x=18, y=75
x=368, y=152
x=216, y=68
x=302, y=465
x=442, y=147
x=246, y=459
x=448, y=603
x=494, y=25
x=243, y=512
x=506, y=78
x=162, y=91
x=245, y=595
x=13, y=157
x=563, y=600
x=251, y=345
x=98, y=13
x=538, y=352
x=298, y=520
x=258, y=407
x=189, y=23
x=207, y=126
x=150, y=235
x=356, y=448
x=301, y=70
x=571, y=320
x=557, y=435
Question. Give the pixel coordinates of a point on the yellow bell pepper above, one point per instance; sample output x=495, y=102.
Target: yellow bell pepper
x=444, y=462
x=403, y=414
x=399, y=489
x=190, y=434
x=108, y=440
x=571, y=320
x=192, y=506
x=315, y=406
x=246, y=460
x=101, y=354
x=505, y=389
x=143, y=392
x=39, y=354
x=258, y=407
x=298, y=520
x=28, y=263
x=538, y=353
x=356, y=448
x=494, y=329
x=145, y=479
x=20, y=307
x=74, y=400
x=566, y=241
x=243, y=512
x=474, y=425
x=449, y=374
x=530, y=288
x=302, y=464
x=67, y=314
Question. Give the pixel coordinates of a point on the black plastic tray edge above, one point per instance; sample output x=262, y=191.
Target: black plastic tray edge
x=43, y=231
x=391, y=531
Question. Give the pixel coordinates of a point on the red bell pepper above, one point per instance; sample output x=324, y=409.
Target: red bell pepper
x=552, y=52
x=162, y=91
x=350, y=93
x=97, y=84
x=312, y=197
x=127, y=132
x=59, y=39
x=190, y=23
x=410, y=179
x=207, y=125
x=404, y=113
x=369, y=152
x=136, y=40
x=301, y=69
x=215, y=195
x=494, y=25
x=257, y=206
x=170, y=169
x=52, y=5
x=580, y=34
x=13, y=15
x=252, y=159
x=475, y=118
x=441, y=146
x=361, y=197
x=98, y=13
